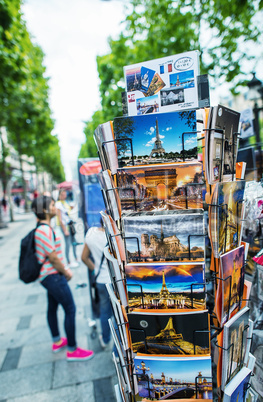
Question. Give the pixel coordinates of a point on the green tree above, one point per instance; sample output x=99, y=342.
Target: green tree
x=225, y=32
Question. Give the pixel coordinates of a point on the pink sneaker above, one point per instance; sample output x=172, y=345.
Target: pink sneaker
x=79, y=355
x=62, y=345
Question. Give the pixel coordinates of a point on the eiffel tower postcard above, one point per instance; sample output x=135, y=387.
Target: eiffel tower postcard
x=183, y=333
x=156, y=139
x=165, y=286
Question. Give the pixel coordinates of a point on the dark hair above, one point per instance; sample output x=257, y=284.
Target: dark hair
x=40, y=204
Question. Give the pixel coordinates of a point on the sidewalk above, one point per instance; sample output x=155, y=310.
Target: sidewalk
x=29, y=371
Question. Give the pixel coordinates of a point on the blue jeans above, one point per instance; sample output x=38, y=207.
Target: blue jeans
x=58, y=292
x=105, y=311
x=69, y=240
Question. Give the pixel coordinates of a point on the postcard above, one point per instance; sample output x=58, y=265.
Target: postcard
x=155, y=86
x=167, y=237
x=121, y=354
x=236, y=390
x=117, y=275
x=227, y=213
x=133, y=79
x=153, y=139
x=181, y=284
x=184, y=79
x=111, y=195
x=104, y=139
x=161, y=187
x=231, y=272
x=223, y=144
x=175, y=333
x=174, y=377
x=147, y=75
x=234, y=345
x=114, y=238
x=178, y=74
x=147, y=105
x=119, y=317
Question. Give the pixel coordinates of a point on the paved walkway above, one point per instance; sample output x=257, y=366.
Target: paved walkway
x=29, y=371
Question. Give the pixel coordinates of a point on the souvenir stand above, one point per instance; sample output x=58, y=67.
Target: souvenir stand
x=168, y=166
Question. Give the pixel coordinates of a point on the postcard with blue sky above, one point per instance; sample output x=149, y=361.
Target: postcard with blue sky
x=183, y=285
x=146, y=78
x=184, y=79
x=156, y=138
x=176, y=376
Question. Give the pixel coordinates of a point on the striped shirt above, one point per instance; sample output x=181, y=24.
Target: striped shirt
x=44, y=245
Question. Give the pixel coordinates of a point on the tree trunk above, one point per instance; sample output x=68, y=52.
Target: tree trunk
x=4, y=179
x=11, y=211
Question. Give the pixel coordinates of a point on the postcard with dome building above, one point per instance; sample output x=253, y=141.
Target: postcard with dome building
x=166, y=286
x=161, y=187
x=176, y=333
x=154, y=139
x=173, y=377
x=178, y=236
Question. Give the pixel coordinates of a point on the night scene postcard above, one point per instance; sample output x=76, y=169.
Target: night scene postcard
x=165, y=286
x=175, y=333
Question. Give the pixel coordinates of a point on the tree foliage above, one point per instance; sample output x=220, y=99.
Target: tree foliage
x=224, y=31
x=24, y=93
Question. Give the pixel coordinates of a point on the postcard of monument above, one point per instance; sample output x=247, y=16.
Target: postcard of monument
x=166, y=286
x=226, y=216
x=223, y=144
x=146, y=78
x=155, y=86
x=176, y=333
x=236, y=390
x=232, y=273
x=166, y=237
x=179, y=75
x=153, y=139
x=161, y=187
x=174, y=377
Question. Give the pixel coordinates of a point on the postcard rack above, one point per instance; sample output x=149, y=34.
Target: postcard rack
x=140, y=381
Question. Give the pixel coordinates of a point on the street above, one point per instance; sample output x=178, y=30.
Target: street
x=29, y=371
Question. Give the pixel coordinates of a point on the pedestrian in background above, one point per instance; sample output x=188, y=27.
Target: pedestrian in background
x=95, y=241
x=54, y=277
x=63, y=220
